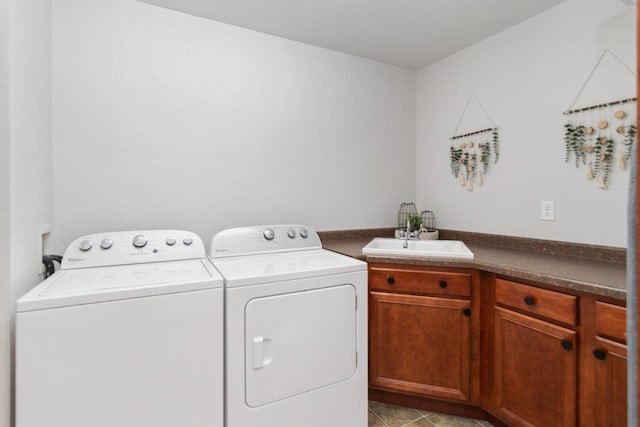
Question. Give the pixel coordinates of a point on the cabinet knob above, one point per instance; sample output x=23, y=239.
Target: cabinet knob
x=599, y=354
x=443, y=284
x=566, y=344
x=529, y=300
x=466, y=312
x=391, y=280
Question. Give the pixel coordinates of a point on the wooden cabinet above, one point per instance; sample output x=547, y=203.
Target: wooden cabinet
x=536, y=356
x=605, y=368
x=610, y=391
x=420, y=332
x=459, y=341
x=420, y=345
x=534, y=371
x=537, y=351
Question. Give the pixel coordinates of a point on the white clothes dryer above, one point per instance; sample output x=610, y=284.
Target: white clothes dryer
x=128, y=333
x=295, y=329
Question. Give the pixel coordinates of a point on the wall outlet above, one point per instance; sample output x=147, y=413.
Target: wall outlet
x=547, y=210
x=44, y=231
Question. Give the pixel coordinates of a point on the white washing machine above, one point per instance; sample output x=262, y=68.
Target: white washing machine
x=128, y=333
x=295, y=330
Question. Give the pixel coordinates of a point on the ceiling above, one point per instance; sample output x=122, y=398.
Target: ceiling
x=408, y=33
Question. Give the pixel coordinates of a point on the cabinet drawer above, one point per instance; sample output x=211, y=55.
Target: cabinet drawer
x=611, y=321
x=420, y=281
x=541, y=302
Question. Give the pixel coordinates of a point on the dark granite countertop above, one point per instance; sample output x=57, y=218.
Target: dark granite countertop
x=602, y=275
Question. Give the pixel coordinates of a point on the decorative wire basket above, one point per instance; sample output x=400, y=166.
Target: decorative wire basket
x=428, y=220
x=406, y=209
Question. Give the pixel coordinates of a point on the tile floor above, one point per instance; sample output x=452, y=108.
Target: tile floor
x=385, y=415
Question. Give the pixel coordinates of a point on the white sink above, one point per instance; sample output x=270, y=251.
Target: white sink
x=418, y=248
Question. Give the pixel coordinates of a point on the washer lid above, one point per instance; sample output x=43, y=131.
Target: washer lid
x=277, y=267
x=101, y=284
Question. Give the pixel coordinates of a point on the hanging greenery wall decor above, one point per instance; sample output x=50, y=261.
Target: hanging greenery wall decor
x=470, y=161
x=496, y=146
x=485, y=156
x=456, y=155
x=591, y=133
x=574, y=140
x=470, y=154
x=629, y=137
x=597, y=148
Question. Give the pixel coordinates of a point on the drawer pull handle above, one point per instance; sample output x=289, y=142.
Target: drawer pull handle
x=443, y=284
x=599, y=354
x=391, y=280
x=529, y=300
x=566, y=344
x=466, y=312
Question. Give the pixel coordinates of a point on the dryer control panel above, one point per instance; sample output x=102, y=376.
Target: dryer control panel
x=262, y=239
x=132, y=247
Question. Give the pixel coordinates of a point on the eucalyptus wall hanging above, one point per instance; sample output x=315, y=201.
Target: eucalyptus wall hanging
x=601, y=136
x=471, y=154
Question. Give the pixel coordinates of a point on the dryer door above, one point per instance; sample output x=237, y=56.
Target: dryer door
x=299, y=342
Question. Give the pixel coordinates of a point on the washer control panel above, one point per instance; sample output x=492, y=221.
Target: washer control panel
x=263, y=239
x=132, y=247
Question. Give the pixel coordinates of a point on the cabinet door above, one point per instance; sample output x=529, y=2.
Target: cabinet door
x=420, y=345
x=535, y=371
x=610, y=394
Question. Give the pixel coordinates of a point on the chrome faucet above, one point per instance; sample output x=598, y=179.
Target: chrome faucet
x=405, y=245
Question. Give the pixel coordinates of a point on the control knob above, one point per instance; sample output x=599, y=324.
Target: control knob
x=291, y=234
x=140, y=241
x=85, y=245
x=304, y=233
x=187, y=241
x=106, y=243
x=269, y=234
x=170, y=241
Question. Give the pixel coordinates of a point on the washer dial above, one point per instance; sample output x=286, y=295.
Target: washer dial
x=140, y=241
x=269, y=234
x=106, y=243
x=85, y=245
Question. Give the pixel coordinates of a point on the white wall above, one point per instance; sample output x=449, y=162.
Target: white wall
x=526, y=76
x=163, y=119
x=5, y=292
x=30, y=113
x=27, y=204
